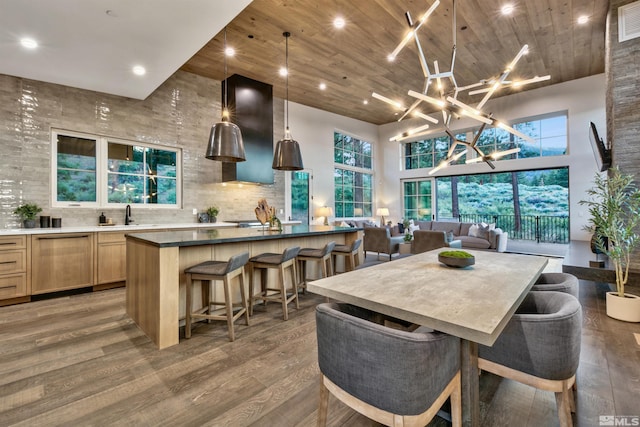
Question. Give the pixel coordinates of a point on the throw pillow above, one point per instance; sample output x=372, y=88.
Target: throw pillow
x=473, y=230
x=344, y=224
x=413, y=228
x=449, y=237
x=401, y=228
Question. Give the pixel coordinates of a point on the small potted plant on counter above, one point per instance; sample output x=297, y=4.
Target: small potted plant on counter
x=213, y=212
x=27, y=213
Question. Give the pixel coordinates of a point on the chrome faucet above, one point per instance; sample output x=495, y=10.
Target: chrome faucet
x=127, y=215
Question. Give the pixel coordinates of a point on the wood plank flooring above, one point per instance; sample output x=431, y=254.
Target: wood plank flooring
x=80, y=361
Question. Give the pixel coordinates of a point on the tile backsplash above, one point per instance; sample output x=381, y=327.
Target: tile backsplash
x=178, y=114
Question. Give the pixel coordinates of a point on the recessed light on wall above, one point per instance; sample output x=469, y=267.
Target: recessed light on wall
x=583, y=19
x=507, y=9
x=230, y=51
x=28, y=43
x=283, y=72
x=139, y=70
x=339, y=22
x=322, y=86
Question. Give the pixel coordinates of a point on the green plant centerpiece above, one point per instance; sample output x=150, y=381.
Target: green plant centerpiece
x=27, y=214
x=213, y=212
x=408, y=236
x=614, y=206
x=456, y=258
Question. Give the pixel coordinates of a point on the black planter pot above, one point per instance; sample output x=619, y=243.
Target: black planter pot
x=213, y=219
x=29, y=223
x=594, y=243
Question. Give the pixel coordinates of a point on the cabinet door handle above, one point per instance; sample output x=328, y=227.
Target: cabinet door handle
x=8, y=262
x=7, y=244
x=63, y=237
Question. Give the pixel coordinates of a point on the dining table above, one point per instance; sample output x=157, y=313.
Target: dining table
x=474, y=303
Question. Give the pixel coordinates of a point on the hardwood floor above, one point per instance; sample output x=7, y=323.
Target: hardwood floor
x=79, y=360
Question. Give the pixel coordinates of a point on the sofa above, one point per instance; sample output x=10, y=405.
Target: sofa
x=471, y=235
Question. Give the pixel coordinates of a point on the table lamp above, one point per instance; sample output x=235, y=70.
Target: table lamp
x=382, y=212
x=326, y=212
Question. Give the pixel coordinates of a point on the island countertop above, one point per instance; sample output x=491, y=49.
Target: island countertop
x=179, y=238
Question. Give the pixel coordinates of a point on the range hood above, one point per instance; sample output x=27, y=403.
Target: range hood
x=251, y=108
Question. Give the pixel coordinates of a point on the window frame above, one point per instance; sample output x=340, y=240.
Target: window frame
x=102, y=171
x=355, y=169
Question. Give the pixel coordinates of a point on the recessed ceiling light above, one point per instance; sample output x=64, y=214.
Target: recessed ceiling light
x=230, y=51
x=28, y=43
x=322, y=86
x=139, y=70
x=391, y=58
x=507, y=9
x=339, y=22
x=365, y=102
x=583, y=19
x=283, y=72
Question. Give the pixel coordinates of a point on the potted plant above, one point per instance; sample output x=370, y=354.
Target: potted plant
x=27, y=213
x=614, y=206
x=213, y=211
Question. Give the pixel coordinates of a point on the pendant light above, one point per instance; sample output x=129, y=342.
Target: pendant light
x=225, y=139
x=287, y=155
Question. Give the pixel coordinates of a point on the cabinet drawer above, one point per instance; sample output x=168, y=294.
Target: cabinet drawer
x=8, y=243
x=13, y=286
x=111, y=237
x=13, y=262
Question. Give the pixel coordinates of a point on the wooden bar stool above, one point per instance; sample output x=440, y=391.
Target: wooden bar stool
x=323, y=256
x=282, y=262
x=350, y=254
x=221, y=271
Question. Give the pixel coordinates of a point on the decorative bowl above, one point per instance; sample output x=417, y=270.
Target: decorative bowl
x=456, y=259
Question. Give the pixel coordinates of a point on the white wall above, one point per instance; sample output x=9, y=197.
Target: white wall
x=584, y=99
x=313, y=129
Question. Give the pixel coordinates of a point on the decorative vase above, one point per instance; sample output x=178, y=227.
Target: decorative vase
x=29, y=223
x=594, y=241
x=625, y=308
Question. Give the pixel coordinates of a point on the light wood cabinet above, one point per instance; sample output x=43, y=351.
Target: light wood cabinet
x=13, y=267
x=111, y=257
x=61, y=262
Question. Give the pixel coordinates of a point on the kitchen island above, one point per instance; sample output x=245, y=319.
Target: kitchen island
x=156, y=262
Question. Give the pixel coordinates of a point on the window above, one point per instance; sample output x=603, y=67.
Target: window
x=417, y=199
x=429, y=152
x=98, y=171
x=549, y=133
x=353, y=179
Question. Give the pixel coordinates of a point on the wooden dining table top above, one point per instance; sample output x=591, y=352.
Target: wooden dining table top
x=473, y=303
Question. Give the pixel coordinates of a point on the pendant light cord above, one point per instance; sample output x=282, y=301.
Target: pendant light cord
x=226, y=89
x=286, y=35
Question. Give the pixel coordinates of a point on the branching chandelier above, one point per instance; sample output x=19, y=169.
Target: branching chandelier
x=445, y=97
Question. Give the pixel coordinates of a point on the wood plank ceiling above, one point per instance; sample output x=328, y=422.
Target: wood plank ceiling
x=352, y=61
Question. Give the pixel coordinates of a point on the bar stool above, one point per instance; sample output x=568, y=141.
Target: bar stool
x=265, y=261
x=223, y=271
x=323, y=256
x=350, y=254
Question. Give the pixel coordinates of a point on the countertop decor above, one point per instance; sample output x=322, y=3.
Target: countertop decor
x=456, y=259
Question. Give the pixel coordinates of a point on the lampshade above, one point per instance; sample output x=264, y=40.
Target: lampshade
x=357, y=211
x=326, y=212
x=287, y=156
x=382, y=212
x=225, y=143
x=225, y=140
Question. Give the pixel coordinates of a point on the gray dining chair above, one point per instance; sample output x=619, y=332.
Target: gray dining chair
x=540, y=347
x=391, y=376
x=559, y=282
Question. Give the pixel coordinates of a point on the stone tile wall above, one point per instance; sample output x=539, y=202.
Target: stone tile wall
x=178, y=114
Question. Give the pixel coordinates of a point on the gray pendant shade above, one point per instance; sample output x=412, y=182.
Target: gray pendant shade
x=225, y=140
x=225, y=143
x=287, y=156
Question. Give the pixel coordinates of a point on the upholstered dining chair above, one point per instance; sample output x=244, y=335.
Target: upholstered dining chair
x=540, y=347
x=391, y=376
x=559, y=282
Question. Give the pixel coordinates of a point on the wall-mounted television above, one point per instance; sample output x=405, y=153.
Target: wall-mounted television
x=601, y=152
